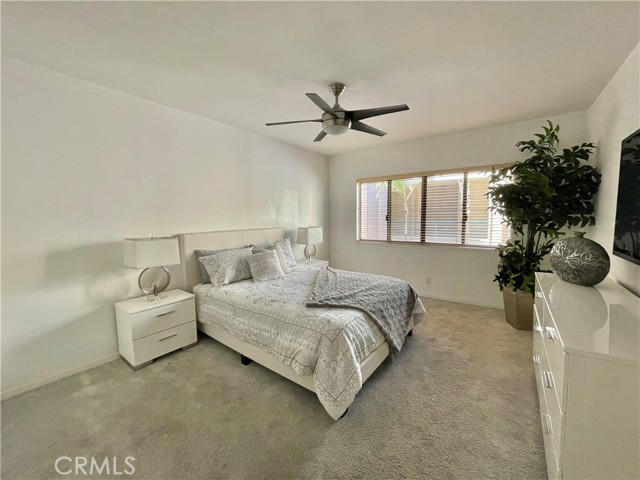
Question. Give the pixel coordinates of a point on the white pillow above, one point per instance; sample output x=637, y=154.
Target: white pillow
x=279, y=254
x=265, y=266
x=227, y=266
x=285, y=245
x=204, y=276
x=282, y=259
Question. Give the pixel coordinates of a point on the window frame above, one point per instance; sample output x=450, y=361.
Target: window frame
x=423, y=243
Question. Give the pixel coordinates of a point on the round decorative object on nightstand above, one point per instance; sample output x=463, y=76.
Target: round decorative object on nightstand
x=309, y=252
x=580, y=260
x=154, y=280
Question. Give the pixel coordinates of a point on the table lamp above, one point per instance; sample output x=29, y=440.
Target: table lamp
x=309, y=236
x=152, y=254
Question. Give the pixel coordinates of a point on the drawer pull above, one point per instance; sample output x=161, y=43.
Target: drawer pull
x=166, y=313
x=547, y=379
x=536, y=359
x=551, y=333
x=168, y=336
x=546, y=420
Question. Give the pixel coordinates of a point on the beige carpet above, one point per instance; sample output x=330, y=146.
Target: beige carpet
x=459, y=402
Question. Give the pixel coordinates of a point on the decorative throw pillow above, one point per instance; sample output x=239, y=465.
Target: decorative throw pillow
x=204, y=276
x=265, y=266
x=285, y=245
x=279, y=254
x=282, y=259
x=228, y=266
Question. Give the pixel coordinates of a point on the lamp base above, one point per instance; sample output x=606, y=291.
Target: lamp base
x=310, y=252
x=153, y=281
x=155, y=298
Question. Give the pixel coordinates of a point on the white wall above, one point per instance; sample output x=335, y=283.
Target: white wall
x=462, y=275
x=83, y=167
x=614, y=115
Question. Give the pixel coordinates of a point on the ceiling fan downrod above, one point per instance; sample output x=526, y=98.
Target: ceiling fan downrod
x=336, y=88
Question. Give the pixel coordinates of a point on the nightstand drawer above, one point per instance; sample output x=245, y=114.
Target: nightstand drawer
x=161, y=318
x=160, y=343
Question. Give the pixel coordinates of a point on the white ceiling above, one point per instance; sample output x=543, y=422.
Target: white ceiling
x=458, y=65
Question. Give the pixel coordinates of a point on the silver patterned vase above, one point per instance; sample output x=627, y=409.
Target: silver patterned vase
x=580, y=260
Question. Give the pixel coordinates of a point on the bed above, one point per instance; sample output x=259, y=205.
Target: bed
x=330, y=351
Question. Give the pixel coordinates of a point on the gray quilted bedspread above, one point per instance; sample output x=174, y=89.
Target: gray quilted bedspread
x=389, y=302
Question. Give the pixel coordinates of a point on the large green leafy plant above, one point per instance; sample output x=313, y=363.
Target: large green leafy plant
x=538, y=198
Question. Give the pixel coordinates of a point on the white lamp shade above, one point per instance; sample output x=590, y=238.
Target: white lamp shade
x=151, y=252
x=309, y=235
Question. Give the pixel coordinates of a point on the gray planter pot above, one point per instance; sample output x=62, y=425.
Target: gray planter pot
x=518, y=309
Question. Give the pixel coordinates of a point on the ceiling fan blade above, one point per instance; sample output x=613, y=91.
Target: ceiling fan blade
x=356, y=115
x=363, y=127
x=295, y=121
x=317, y=99
x=320, y=136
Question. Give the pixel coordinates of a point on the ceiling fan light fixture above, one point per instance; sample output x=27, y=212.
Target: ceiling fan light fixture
x=336, y=129
x=335, y=126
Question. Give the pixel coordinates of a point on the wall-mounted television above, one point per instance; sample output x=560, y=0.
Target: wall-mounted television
x=626, y=240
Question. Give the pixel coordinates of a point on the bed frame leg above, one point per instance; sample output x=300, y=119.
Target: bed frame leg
x=245, y=360
x=345, y=412
x=410, y=334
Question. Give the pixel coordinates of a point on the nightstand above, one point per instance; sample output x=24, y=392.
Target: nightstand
x=149, y=329
x=314, y=262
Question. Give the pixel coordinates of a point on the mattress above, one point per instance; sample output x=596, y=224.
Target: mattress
x=328, y=343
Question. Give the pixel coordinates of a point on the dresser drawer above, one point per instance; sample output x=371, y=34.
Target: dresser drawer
x=538, y=300
x=545, y=418
x=551, y=419
x=537, y=369
x=555, y=354
x=159, y=319
x=160, y=343
x=557, y=422
x=553, y=472
x=538, y=354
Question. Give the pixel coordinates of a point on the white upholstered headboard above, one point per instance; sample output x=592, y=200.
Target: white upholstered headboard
x=218, y=240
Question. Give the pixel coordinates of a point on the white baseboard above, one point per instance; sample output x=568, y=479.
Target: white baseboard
x=25, y=387
x=468, y=301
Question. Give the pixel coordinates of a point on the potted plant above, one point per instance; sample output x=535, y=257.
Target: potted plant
x=538, y=198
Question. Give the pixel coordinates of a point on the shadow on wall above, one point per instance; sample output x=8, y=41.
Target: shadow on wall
x=100, y=268
x=58, y=346
x=66, y=267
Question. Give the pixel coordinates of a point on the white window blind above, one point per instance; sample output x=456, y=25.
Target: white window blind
x=372, y=208
x=405, y=209
x=451, y=208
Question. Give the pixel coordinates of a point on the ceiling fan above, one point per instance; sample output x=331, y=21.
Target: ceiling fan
x=336, y=120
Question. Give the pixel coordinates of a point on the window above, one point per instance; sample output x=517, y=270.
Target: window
x=446, y=208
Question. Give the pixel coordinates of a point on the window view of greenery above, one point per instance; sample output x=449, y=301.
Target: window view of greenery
x=450, y=209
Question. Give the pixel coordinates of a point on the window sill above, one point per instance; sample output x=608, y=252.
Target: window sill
x=428, y=246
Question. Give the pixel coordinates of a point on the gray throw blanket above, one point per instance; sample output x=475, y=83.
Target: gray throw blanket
x=389, y=302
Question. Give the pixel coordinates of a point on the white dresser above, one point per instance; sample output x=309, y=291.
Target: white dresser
x=586, y=355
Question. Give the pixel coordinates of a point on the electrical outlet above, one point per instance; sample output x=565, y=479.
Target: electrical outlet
x=427, y=280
